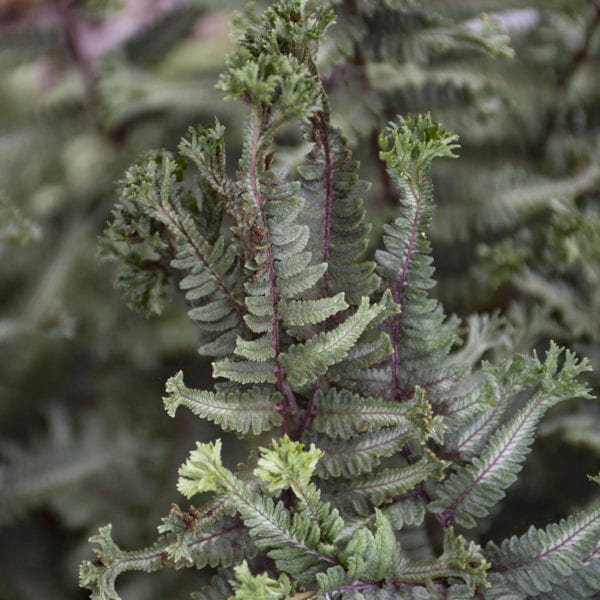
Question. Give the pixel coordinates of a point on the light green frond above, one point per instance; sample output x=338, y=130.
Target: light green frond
x=409, y=149
x=287, y=465
x=293, y=541
x=203, y=470
x=542, y=558
x=254, y=410
x=259, y=587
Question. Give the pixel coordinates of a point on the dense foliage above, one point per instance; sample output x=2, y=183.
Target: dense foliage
x=515, y=228
x=382, y=422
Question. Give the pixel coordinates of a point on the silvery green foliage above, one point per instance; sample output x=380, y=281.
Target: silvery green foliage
x=377, y=423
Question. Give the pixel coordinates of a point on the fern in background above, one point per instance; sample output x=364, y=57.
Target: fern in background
x=383, y=431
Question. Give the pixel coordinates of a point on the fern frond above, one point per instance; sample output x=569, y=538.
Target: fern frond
x=100, y=579
x=583, y=583
x=154, y=217
x=305, y=362
x=294, y=543
x=359, y=455
x=542, y=558
x=344, y=414
x=473, y=488
x=473, y=418
x=288, y=465
x=310, y=312
x=405, y=263
x=254, y=410
x=335, y=211
x=384, y=485
x=250, y=587
x=220, y=542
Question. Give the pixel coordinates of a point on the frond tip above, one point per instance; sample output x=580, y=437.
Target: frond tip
x=410, y=147
x=287, y=464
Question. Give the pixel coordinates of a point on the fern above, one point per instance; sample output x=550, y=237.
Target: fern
x=382, y=423
x=539, y=559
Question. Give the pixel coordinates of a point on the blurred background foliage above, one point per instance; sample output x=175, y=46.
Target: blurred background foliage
x=88, y=85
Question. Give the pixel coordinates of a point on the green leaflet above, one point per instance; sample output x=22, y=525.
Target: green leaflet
x=344, y=414
x=249, y=371
x=305, y=362
x=351, y=458
x=382, y=486
x=310, y=312
x=473, y=488
x=254, y=410
x=533, y=563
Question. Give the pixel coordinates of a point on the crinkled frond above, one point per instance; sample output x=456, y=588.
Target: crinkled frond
x=346, y=415
x=157, y=220
x=295, y=543
x=200, y=537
